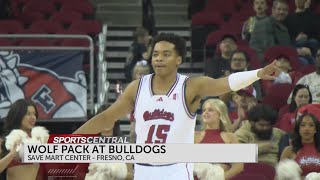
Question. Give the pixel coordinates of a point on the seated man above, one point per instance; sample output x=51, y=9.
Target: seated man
x=271, y=141
x=221, y=62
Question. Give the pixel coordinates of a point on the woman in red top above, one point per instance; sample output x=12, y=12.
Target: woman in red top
x=305, y=148
x=301, y=95
x=22, y=115
x=217, y=127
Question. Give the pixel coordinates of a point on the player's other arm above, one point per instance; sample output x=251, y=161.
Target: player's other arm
x=107, y=118
x=206, y=86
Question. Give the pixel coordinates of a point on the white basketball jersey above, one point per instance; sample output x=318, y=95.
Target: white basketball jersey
x=163, y=118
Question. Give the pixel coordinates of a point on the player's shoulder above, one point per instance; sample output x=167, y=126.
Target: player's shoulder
x=195, y=81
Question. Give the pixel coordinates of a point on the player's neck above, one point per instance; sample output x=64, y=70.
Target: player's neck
x=161, y=85
x=165, y=79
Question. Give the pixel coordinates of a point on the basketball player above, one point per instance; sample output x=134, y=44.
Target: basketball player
x=165, y=103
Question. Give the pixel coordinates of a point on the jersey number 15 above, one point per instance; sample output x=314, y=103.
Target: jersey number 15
x=161, y=133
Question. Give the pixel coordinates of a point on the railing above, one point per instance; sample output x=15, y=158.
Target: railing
x=103, y=83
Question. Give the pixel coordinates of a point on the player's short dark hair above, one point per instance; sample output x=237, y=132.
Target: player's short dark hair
x=179, y=43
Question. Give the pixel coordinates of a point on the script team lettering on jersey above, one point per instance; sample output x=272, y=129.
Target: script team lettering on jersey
x=158, y=114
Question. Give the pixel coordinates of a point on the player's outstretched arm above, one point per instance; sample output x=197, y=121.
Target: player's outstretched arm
x=206, y=86
x=107, y=118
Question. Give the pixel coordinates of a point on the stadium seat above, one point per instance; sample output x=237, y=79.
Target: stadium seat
x=31, y=31
x=16, y=7
x=275, y=51
x=50, y=27
x=46, y=7
x=83, y=7
x=225, y=7
x=214, y=38
x=75, y=42
x=234, y=28
x=283, y=110
x=66, y=17
x=59, y=3
x=90, y=27
x=29, y=17
x=206, y=18
x=35, y=42
x=71, y=31
x=277, y=95
x=10, y=26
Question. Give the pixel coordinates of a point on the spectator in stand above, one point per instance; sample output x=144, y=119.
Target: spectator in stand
x=221, y=61
x=139, y=50
x=305, y=146
x=217, y=129
x=313, y=80
x=240, y=61
x=270, y=31
x=305, y=55
x=260, y=7
x=301, y=95
x=303, y=26
x=259, y=130
x=242, y=101
x=288, y=75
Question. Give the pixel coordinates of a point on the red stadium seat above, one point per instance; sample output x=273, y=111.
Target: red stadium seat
x=75, y=42
x=59, y=3
x=214, y=38
x=275, y=51
x=66, y=17
x=236, y=17
x=50, y=27
x=284, y=109
x=223, y=7
x=90, y=27
x=29, y=17
x=35, y=42
x=71, y=31
x=277, y=95
x=46, y=7
x=31, y=31
x=234, y=28
x=206, y=18
x=82, y=7
x=10, y=26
